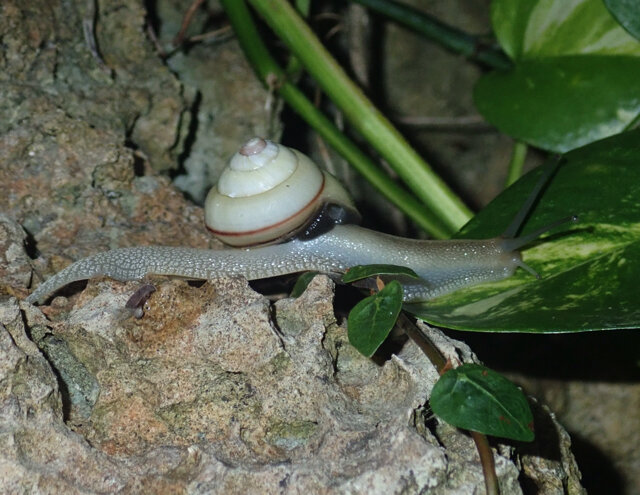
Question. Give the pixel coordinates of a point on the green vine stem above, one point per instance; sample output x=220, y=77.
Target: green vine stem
x=274, y=77
x=362, y=114
x=453, y=39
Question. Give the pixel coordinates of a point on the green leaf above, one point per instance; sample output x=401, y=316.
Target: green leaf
x=371, y=320
x=562, y=103
x=476, y=398
x=590, y=270
x=627, y=13
x=576, y=78
x=551, y=28
x=365, y=271
x=301, y=284
x=509, y=20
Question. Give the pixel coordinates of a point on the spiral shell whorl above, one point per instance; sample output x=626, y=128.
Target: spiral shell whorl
x=254, y=146
x=256, y=168
x=267, y=191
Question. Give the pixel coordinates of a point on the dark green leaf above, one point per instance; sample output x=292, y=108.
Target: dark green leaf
x=371, y=320
x=476, y=398
x=627, y=13
x=576, y=77
x=301, y=284
x=590, y=270
x=552, y=28
x=561, y=103
x=365, y=271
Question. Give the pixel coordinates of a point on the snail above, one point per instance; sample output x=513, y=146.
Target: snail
x=296, y=218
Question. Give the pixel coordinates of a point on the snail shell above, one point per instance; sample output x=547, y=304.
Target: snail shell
x=268, y=193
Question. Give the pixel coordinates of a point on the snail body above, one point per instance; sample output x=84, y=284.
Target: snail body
x=314, y=234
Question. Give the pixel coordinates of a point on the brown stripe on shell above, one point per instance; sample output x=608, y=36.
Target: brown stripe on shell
x=222, y=233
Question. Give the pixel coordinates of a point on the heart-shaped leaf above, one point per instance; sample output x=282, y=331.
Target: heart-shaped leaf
x=576, y=77
x=590, y=270
x=476, y=398
x=371, y=320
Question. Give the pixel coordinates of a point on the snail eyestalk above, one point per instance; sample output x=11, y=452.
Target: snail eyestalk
x=519, y=242
x=509, y=241
x=518, y=220
x=513, y=245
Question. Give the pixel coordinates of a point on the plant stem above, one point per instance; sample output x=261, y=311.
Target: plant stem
x=423, y=342
x=438, y=360
x=516, y=163
x=488, y=464
x=362, y=114
x=267, y=68
x=273, y=76
x=447, y=36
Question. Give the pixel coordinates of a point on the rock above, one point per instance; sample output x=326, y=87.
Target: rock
x=207, y=393
x=15, y=269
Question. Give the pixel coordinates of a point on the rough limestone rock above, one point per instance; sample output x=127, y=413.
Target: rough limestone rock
x=215, y=390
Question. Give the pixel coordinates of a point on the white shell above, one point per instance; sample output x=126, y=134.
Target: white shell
x=268, y=191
